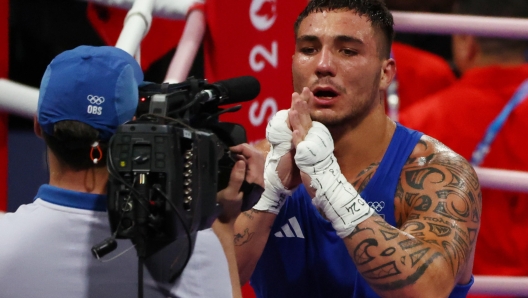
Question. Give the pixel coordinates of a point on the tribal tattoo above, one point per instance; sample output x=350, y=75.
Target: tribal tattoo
x=437, y=209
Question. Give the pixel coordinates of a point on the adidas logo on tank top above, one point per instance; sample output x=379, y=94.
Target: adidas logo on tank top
x=290, y=230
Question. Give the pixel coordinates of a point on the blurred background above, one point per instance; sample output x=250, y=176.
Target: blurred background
x=41, y=29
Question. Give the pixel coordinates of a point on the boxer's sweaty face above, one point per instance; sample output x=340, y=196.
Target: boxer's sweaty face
x=337, y=57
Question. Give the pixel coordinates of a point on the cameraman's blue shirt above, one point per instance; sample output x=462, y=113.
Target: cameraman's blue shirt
x=304, y=257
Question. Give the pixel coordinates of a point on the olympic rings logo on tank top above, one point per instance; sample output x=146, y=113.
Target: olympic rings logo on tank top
x=378, y=206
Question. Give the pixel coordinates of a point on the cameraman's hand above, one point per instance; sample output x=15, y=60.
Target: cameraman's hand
x=254, y=158
x=230, y=198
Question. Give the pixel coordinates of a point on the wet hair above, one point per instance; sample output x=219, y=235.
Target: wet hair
x=71, y=143
x=503, y=8
x=375, y=10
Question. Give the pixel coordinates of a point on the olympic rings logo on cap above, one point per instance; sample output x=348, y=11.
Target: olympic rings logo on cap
x=95, y=100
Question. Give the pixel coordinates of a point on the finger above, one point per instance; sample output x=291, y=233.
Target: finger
x=241, y=152
x=297, y=137
x=255, y=168
x=298, y=131
x=238, y=174
x=299, y=117
x=295, y=97
x=248, y=150
x=239, y=149
x=303, y=115
x=230, y=198
x=306, y=94
x=302, y=108
x=293, y=113
x=293, y=118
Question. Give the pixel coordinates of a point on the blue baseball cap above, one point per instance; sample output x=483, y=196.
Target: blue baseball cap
x=94, y=85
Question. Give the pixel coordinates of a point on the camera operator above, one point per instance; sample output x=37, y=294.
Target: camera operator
x=85, y=94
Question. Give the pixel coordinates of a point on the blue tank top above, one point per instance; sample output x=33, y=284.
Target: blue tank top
x=304, y=257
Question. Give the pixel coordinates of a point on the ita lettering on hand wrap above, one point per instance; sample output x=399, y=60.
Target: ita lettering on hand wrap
x=280, y=138
x=335, y=196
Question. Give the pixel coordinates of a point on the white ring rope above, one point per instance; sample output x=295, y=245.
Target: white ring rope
x=500, y=285
x=18, y=99
x=503, y=179
x=170, y=9
x=137, y=24
x=451, y=24
x=188, y=46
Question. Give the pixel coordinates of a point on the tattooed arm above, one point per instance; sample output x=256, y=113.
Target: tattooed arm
x=280, y=177
x=253, y=227
x=438, y=207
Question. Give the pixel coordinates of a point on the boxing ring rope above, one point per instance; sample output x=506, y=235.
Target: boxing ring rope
x=500, y=285
x=137, y=24
x=435, y=23
x=22, y=100
x=503, y=179
x=188, y=46
x=18, y=99
x=169, y=9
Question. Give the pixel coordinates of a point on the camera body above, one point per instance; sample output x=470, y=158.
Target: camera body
x=173, y=171
x=165, y=173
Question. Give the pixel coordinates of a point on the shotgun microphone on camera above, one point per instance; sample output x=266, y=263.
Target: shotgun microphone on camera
x=231, y=91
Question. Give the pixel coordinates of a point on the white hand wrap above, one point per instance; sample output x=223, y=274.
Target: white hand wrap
x=280, y=137
x=335, y=196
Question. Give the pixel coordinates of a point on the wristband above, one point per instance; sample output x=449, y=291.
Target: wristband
x=280, y=138
x=335, y=196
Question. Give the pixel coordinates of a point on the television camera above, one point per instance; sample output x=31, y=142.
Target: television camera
x=167, y=165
